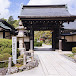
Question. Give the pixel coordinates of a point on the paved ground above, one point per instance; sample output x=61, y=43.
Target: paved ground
x=56, y=65
x=44, y=48
x=51, y=64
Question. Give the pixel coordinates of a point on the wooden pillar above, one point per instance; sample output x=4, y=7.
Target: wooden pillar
x=53, y=41
x=3, y=34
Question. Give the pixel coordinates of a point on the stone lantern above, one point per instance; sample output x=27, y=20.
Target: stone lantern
x=20, y=37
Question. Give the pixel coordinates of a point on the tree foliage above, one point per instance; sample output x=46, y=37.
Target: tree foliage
x=43, y=34
x=40, y=34
x=12, y=22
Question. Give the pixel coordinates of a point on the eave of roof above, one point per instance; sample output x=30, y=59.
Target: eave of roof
x=52, y=6
x=72, y=17
x=7, y=24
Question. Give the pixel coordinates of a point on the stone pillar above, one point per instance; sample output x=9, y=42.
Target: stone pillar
x=60, y=45
x=9, y=65
x=14, y=49
x=20, y=37
x=32, y=44
x=24, y=59
x=31, y=40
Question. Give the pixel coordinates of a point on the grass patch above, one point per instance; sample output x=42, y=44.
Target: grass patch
x=70, y=55
x=18, y=65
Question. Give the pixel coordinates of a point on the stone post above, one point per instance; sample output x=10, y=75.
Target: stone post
x=60, y=45
x=9, y=65
x=14, y=49
x=32, y=43
x=31, y=40
x=24, y=59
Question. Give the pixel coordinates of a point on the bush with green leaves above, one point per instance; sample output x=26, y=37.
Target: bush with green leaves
x=20, y=61
x=7, y=50
x=37, y=43
x=6, y=43
x=1, y=57
x=74, y=50
x=4, y=57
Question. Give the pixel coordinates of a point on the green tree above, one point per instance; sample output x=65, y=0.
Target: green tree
x=11, y=21
x=16, y=24
x=3, y=19
x=43, y=34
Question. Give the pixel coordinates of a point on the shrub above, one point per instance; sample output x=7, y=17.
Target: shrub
x=3, y=64
x=7, y=50
x=6, y=56
x=74, y=50
x=3, y=57
x=20, y=61
x=6, y=43
x=1, y=49
x=37, y=44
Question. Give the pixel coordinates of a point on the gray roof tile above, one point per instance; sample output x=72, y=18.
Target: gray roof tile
x=45, y=11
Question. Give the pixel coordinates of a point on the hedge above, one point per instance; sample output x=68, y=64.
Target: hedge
x=6, y=51
x=74, y=50
x=20, y=61
x=3, y=57
x=6, y=43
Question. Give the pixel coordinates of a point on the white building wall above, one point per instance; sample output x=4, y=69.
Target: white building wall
x=7, y=34
x=1, y=35
x=74, y=38
x=69, y=38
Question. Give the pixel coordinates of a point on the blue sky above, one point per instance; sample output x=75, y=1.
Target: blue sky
x=15, y=7
x=12, y=7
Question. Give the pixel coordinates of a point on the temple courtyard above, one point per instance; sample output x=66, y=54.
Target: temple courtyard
x=51, y=63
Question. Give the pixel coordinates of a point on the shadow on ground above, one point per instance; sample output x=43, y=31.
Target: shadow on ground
x=42, y=49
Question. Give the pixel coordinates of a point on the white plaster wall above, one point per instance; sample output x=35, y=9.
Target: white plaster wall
x=69, y=38
x=1, y=35
x=7, y=34
x=74, y=38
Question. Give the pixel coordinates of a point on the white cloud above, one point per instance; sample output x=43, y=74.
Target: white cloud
x=4, y=5
x=70, y=3
x=47, y=2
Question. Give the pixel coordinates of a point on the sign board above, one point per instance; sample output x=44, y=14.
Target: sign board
x=14, y=49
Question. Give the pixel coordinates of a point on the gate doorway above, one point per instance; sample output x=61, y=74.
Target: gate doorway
x=43, y=40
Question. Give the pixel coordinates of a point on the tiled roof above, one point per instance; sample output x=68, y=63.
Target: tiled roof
x=6, y=25
x=45, y=11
